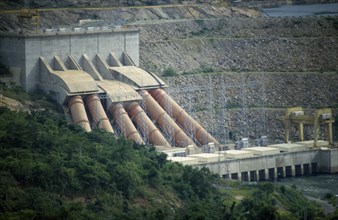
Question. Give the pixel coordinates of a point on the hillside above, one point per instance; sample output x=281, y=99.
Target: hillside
x=241, y=44
x=101, y=16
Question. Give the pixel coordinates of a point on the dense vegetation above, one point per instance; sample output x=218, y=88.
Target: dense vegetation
x=51, y=169
x=4, y=69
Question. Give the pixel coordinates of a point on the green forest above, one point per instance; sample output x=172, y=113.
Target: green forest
x=52, y=169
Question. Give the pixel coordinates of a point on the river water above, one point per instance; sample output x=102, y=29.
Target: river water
x=315, y=186
x=302, y=10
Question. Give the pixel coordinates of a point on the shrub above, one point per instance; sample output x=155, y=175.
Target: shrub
x=169, y=72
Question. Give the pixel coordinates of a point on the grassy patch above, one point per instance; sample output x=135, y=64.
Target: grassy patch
x=37, y=99
x=169, y=72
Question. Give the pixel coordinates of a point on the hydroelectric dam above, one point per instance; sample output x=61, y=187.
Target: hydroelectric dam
x=93, y=72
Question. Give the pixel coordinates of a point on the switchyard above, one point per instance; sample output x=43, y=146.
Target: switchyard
x=94, y=73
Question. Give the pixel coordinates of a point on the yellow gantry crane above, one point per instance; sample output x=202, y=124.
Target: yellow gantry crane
x=295, y=115
x=29, y=16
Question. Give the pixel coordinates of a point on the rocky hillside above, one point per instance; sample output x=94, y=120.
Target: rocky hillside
x=239, y=105
x=9, y=4
x=71, y=17
x=276, y=3
x=190, y=37
x=242, y=44
x=247, y=70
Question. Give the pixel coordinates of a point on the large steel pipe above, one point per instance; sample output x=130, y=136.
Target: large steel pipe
x=98, y=114
x=182, y=117
x=140, y=118
x=125, y=124
x=78, y=112
x=165, y=121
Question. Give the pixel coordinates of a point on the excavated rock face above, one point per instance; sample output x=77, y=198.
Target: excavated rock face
x=247, y=104
x=276, y=3
x=71, y=17
x=10, y=4
x=241, y=44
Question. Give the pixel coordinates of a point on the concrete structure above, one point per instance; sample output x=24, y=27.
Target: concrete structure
x=267, y=167
x=175, y=152
x=100, y=67
x=208, y=158
x=310, y=143
x=328, y=160
x=289, y=147
x=237, y=154
x=263, y=151
x=24, y=51
x=267, y=163
x=184, y=160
